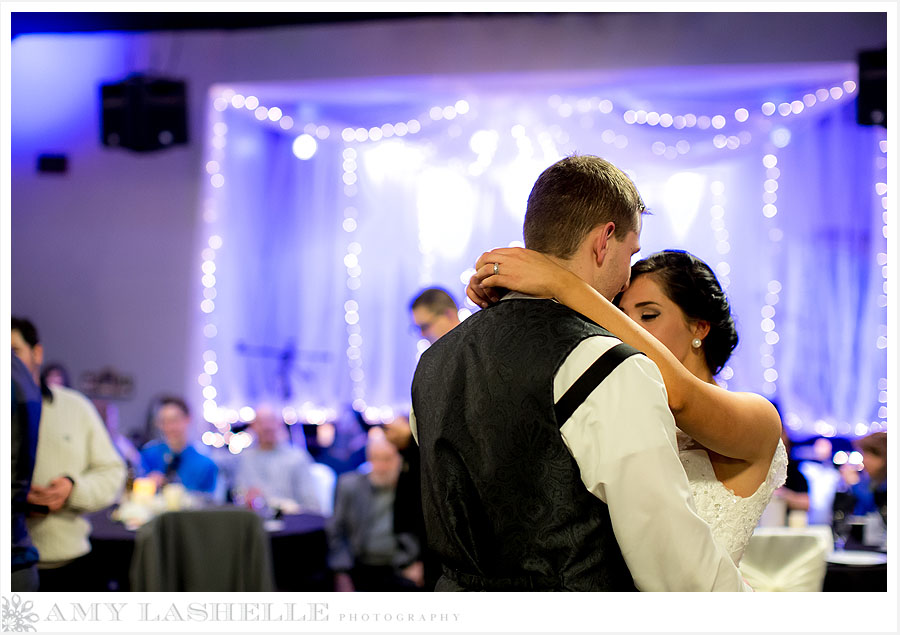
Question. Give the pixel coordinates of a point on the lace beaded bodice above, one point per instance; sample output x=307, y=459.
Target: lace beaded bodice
x=732, y=517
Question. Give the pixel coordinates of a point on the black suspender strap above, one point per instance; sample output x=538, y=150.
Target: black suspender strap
x=590, y=379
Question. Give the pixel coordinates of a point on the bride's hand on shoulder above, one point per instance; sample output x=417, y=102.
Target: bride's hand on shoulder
x=517, y=269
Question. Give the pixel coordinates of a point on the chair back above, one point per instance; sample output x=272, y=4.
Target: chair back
x=787, y=559
x=219, y=549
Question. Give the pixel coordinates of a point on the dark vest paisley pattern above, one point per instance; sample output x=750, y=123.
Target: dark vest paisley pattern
x=504, y=504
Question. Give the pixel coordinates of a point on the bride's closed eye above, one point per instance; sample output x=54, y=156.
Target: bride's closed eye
x=646, y=317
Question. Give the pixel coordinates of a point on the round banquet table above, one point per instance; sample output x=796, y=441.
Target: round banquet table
x=299, y=549
x=857, y=568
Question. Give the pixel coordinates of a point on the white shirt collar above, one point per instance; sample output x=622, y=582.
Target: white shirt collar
x=515, y=295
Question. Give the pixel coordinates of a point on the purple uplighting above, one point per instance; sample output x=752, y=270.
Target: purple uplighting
x=429, y=172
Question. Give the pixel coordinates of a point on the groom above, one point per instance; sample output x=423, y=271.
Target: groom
x=549, y=459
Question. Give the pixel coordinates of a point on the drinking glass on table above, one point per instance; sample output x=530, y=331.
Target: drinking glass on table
x=840, y=527
x=841, y=518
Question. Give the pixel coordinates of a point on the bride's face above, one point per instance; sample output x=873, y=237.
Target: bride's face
x=645, y=303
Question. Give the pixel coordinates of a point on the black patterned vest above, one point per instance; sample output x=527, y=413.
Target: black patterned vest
x=504, y=504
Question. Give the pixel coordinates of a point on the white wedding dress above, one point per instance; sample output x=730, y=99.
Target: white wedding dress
x=732, y=517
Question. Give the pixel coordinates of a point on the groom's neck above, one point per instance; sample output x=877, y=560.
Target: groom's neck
x=577, y=264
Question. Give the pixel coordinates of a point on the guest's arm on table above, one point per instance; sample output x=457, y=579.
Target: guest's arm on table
x=623, y=440
x=741, y=425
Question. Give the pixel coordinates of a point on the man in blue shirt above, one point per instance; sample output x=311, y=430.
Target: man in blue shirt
x=174, y=459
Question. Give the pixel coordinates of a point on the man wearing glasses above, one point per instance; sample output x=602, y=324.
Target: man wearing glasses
x=435, y=313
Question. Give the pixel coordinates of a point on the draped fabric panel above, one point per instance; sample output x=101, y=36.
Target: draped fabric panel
x=414, y=179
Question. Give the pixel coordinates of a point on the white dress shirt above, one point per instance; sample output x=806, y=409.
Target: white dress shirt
x=623, y=439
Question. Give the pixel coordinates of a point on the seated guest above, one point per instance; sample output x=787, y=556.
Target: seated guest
x=823, y=478
x=273, y=469
x=864, y=492
x=173, y=459
x=364, y=552
x=76, y=471
x=55, y=374
x=340, y=444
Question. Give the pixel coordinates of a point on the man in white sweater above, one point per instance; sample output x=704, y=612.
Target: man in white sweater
x=77, y=470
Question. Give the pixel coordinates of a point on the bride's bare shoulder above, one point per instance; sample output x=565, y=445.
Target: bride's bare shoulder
x=760, y=412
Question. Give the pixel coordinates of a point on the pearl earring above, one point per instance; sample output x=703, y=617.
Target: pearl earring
x=696, y=342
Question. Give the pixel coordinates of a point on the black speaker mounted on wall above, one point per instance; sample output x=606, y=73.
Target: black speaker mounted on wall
x=871, y=101
x=143, y=113
x=52, y=163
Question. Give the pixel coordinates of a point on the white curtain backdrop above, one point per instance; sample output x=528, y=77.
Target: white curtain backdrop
x=316, y=260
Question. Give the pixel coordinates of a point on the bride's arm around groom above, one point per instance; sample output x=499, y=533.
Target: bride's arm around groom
x=623, y=439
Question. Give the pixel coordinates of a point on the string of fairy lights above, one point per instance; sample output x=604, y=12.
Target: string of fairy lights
x=773, y=289
x=881, y=341
x=727, y=132
x=723, y=248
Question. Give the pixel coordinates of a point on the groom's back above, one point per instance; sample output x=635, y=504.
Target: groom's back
x=504, y=503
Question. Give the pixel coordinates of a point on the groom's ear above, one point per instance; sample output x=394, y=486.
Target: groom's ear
x=600, y=237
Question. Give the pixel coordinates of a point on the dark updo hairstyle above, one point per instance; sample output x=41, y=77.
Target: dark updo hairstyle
x=692, y=285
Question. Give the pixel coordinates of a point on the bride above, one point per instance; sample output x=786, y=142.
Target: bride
x=675, y=312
